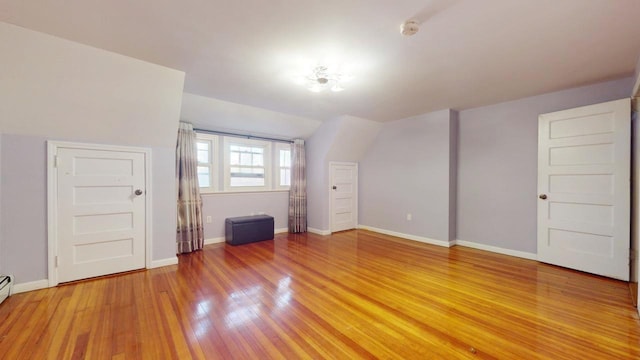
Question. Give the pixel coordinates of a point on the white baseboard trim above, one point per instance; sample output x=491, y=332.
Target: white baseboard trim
x=30, y=286
x=499, y=250
x=318, y=231
x=217, y=240
x=164, y=262
x=408, y=237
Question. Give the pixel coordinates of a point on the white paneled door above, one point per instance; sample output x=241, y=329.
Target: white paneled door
x=344, y=196
x=100, y=212
x=584, y=188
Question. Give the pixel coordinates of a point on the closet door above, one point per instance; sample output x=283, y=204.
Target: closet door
x=584, y=188
x=100, y=211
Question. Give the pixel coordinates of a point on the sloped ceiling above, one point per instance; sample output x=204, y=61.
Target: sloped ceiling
x=467, y=53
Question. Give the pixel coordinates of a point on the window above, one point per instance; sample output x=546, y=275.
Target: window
x=243, y=164
x=283, y=152
x=207, y=146
x=246, y=166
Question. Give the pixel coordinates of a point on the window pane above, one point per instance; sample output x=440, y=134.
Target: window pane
x=234, y=158
x=245, y=159
x=246, y=175
x=203, y=151
x=204, y=178
x=246, y=166
x=246, y=180
x=203, y=156
x=285, y=158
x=285, y=177
x=246, y=172
x=258, y=160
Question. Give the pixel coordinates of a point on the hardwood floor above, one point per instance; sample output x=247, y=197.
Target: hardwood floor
x=355, y=294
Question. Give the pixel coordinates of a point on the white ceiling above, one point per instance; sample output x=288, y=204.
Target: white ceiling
x=467, y=53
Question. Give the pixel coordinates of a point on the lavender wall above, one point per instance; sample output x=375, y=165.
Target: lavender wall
x=223, y=205
x=215, y=114
x=497, y=164
x=408, y=170
x=635, y=197
x=316, y=149
x=454, y=126
x=635, y=189
x=57, y=89
x=346, y=138
x=2, y=251
x=24, y=207
x=53, y=87
x=163, y=202
x=23, y=225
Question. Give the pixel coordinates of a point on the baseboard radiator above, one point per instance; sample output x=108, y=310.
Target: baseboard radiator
x=6, y=285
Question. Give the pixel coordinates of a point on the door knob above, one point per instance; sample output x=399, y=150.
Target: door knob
x=543, y=196
x=334, y=187
x=138, y=192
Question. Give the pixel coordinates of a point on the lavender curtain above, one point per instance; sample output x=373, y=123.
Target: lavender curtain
x=190, y=231
x=298, y=190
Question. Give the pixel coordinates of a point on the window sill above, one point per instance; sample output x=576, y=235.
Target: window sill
x=205, y=193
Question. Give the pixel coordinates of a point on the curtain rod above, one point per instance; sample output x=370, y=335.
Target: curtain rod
x=241, y=135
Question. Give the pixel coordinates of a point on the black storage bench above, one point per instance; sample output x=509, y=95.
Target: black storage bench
x=248, y=229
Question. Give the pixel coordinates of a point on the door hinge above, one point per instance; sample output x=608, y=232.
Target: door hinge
x=56, y=261
x=55, y=161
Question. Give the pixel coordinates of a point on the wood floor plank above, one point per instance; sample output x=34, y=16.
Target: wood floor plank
x=354, y=294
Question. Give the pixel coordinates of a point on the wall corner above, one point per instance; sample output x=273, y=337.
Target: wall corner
x=453, y=173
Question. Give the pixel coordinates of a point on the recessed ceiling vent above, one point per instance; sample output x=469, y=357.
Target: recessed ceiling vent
x=410, y=27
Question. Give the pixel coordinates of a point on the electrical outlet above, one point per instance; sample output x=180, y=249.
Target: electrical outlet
x=208, y=219
x=260, y=212
x=409, y=216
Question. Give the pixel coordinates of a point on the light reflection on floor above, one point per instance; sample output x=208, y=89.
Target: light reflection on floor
x=245, y=305
x=284, y=293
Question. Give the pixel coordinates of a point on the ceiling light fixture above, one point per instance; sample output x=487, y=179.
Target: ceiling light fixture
x=321, y=79
x=409, y=28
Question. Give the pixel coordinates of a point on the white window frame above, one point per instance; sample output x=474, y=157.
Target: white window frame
x=281, y=146
x=213, y=161
x=219, y=163
x=267, y=145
